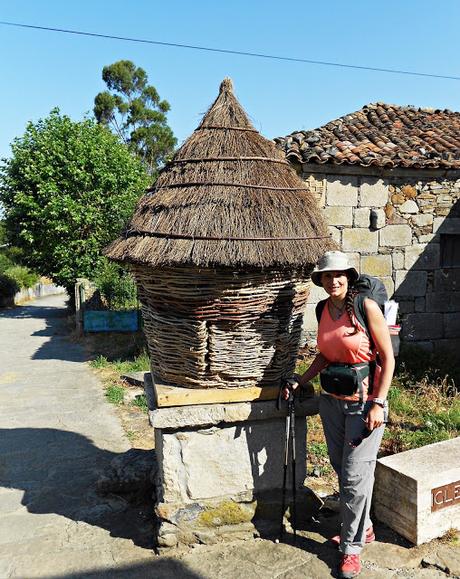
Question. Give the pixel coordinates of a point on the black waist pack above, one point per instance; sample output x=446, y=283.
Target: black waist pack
x=344, y=379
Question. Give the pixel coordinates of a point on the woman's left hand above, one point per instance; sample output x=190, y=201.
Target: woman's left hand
x=375, y=417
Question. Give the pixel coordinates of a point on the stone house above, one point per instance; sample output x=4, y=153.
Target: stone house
x=388, y=180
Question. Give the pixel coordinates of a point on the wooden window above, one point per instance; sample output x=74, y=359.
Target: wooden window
x=450, y=250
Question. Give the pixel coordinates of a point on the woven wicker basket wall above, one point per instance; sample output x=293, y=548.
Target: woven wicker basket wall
x=221, y=329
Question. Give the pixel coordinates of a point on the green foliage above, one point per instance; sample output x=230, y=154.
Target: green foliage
x=115, y=394
x=8, y=286
x=421, y=413
x=68, y=191
x=317, y=449
x=23, y=277
x=141, y=402
x=116, y=286
x=3, y=238
x=5, y=262
x=134, y=111
x=140, y=363
x=99, y=362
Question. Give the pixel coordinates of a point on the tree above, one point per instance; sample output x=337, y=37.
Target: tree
x=67, y=191
x=134, y=111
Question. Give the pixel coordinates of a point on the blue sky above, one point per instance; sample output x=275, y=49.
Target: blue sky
x=42, y=70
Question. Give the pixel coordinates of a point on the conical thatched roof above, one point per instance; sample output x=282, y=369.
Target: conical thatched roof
x=228, y=198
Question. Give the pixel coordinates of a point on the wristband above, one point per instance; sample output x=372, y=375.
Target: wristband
x=379, y=401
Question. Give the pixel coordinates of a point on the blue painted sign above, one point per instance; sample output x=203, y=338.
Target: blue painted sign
x=107, y=321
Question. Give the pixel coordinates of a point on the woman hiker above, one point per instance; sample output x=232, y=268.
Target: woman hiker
x=354, y=407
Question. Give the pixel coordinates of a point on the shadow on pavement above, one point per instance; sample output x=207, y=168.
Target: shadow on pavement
x=161, y=568
x=33, y=311
x=58, y=472
x=58, y=347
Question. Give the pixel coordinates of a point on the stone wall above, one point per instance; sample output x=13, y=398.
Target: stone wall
x=39, y=290
x=391, y=225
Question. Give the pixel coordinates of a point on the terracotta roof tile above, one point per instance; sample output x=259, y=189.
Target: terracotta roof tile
x=381, y=135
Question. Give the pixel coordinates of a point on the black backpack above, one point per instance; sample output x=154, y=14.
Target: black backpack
x=368, y=287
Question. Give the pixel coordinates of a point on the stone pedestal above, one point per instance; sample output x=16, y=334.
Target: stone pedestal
x=221, y=469
x=417, y=492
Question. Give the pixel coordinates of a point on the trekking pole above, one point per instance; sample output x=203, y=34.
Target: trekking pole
x=285, y=468
x=291, y=407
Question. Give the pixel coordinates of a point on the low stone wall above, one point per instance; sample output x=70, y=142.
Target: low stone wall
x=396, y=227
x=39, y=290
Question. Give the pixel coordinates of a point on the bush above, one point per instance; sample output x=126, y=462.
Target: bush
x=23, y=277
x=8, y=286
x=116, y=286
x=5, y=262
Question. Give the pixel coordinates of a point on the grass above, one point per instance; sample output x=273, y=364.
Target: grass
x=140, y=363
x=115, y=394
x=451, y=537
x=141, y=402
x=421, y=413
x=111, y=356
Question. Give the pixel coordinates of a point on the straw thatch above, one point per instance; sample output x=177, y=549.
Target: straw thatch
x=229, y=199
x=221, y=249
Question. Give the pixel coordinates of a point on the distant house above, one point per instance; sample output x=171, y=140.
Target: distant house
x=388, y=179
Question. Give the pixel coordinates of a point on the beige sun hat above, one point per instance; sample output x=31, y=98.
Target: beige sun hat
x=333, y=261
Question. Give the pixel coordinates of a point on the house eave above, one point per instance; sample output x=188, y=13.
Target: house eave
x=382, y=172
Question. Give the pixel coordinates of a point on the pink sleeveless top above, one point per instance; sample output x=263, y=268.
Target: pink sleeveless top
x=338, y=342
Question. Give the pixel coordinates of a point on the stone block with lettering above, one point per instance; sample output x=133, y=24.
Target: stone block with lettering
x=342, y=191
x=361, y=240
x=422, y=326
x=378, y=265
x=410, y=283
x=417, y=492
x=421, y=256
x=336, y=215
x=396, y=235
x=373, y=193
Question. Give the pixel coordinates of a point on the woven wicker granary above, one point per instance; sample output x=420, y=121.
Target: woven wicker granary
x=222, y=248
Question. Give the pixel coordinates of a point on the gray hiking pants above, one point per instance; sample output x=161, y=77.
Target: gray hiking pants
x=342, y=423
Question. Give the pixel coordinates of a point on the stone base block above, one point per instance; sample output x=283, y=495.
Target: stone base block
x=417, y=493
x=210, y=522
x=221, y=468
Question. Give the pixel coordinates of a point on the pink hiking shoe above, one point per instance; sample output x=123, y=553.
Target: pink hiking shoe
x=370, y=537
x=350, y=566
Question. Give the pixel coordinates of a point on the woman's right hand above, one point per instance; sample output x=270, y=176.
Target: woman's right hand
x=291, y=386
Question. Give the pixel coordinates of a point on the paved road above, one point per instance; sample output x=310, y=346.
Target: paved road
x=57, y=434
